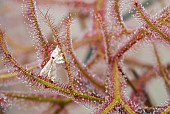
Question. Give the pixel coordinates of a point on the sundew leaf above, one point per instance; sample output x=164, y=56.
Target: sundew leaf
x=79, y=65
x=163, y=17
x=36, y=97
x=13, y=73
x=9, y=77
x=137, y=35
x=41, y=42
x=161, y=66
x=116, y=16
x=106, y=38
x=142, y=14
x=115, y=100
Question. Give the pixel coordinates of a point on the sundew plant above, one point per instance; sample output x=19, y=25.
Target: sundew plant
x=85, y=56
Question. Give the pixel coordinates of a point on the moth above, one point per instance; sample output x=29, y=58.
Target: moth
x=50, y=68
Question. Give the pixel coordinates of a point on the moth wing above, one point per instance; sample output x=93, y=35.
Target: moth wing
x=53, y=74
x=46, y=69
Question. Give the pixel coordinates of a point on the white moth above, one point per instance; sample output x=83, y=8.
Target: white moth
x=50, y=68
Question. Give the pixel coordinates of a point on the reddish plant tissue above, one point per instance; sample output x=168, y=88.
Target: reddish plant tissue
x=125, y=49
